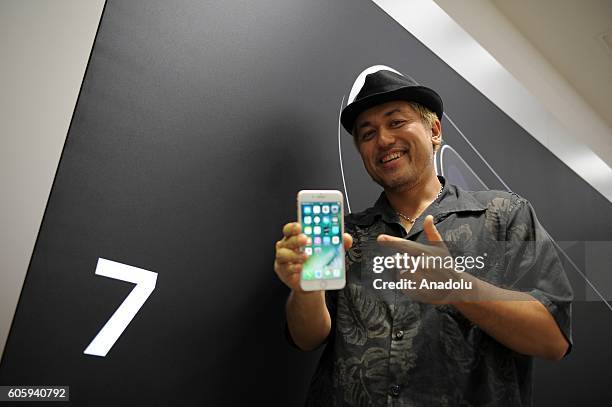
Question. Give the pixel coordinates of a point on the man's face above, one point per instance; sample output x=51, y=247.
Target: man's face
x=395, y=146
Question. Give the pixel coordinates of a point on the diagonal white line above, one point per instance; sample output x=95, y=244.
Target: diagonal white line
x=477, y=153
x=448, y=147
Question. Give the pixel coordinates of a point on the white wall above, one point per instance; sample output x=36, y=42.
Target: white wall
x=44, y=48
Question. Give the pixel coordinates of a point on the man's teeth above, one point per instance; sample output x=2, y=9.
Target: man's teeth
x=392, y=156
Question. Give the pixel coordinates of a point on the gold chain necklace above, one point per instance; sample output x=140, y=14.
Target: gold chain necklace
x=411, y=220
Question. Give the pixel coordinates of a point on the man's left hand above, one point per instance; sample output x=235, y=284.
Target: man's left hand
x=428, y=271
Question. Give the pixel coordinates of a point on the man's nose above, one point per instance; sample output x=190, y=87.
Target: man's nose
x=385, y=137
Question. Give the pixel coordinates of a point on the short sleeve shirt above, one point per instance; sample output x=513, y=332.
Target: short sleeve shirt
x=387, y=350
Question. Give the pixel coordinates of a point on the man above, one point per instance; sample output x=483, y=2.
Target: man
x=422, y=348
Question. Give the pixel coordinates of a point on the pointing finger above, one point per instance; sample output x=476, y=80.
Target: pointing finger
x=430, y=230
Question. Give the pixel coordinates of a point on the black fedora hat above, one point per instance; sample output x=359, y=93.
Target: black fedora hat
x=385, y=86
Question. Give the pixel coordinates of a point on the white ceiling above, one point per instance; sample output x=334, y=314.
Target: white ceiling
x=483, y=45
x=568, y=33
x=554, y=48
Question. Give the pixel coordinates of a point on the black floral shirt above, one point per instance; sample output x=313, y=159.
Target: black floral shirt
x=387, y=350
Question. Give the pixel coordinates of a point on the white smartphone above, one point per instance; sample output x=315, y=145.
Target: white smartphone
x=321, y=214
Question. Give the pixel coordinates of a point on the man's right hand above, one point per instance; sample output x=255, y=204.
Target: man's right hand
x=308, y=319
x=290, y=257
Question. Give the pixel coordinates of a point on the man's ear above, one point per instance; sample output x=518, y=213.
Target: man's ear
x=436, y=134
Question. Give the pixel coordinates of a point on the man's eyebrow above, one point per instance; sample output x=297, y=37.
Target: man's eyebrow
x=386, y=114
x=390, y=112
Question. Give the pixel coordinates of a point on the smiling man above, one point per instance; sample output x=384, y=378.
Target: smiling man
x=420, y=348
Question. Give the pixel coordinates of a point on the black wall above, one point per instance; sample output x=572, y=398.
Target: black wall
x=196, y=125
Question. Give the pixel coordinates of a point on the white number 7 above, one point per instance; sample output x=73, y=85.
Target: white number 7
x=145, y=284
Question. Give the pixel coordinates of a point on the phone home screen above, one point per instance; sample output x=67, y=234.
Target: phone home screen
x=322, y=225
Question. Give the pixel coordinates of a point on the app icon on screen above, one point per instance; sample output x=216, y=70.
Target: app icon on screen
x=335, y=219
x=307, y=209
x=317, y=240
x=316, y=209
x=317, y=250
x=326, y=240
x=308, y=251
x=335, y=208
x=317, y=219
x=325, y=220
x=317, y=230
x=336, y=272
x=335, y=230
x=308, y=230
x=307, y=220
x=335, y=240
x=317, y=273
x=307, y=275
x=325, y=208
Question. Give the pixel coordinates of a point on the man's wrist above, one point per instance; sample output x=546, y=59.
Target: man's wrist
x=299, y=293
x=470, y=295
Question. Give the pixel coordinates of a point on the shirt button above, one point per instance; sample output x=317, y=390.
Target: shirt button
x=399, y=335
x=394, y=390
